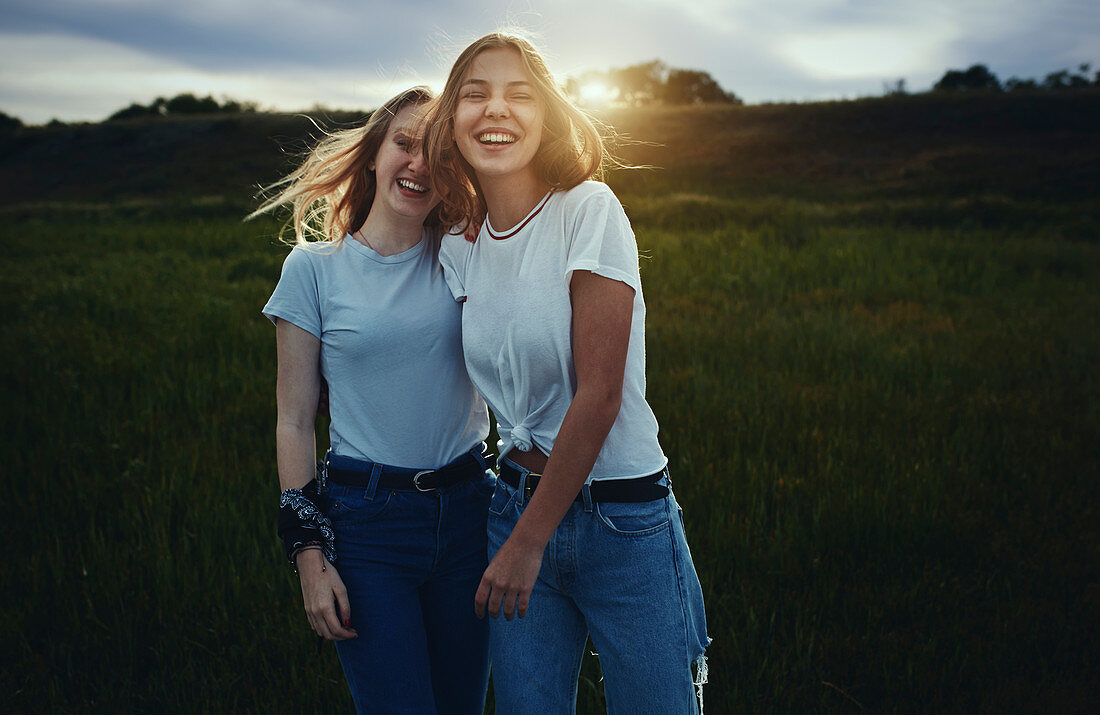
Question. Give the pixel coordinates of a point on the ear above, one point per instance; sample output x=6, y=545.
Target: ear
x=370, y=165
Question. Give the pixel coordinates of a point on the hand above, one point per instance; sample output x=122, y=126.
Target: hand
x=509, y=580
x=326, y=599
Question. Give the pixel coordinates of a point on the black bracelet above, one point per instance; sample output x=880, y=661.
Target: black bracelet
x=302, y=522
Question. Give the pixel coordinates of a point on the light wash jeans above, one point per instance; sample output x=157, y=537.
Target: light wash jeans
x=621, y=572
x=412, y=562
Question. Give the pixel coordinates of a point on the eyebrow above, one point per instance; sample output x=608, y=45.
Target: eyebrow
x=485, y=82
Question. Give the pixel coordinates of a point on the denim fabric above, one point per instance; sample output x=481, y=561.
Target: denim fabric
x=623, y=573
x=412, y=562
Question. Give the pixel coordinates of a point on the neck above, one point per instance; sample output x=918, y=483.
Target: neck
x=509, y=200
x=388, y=235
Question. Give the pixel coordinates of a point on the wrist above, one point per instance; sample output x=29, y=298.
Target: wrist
x=524, y=538
x=308, y=558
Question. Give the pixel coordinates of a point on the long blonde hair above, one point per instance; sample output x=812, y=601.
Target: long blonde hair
x=331, y=193
x=572, y=148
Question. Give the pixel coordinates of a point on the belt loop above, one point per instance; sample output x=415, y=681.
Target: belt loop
x=586, y=493
x=479, y=455
x=322, y=473
x=372, y=485
x=523, y=474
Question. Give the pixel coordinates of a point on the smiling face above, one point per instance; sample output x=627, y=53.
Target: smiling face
x=499, y=118
x=402, y=187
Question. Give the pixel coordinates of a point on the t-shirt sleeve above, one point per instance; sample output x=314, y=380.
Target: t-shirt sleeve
x=601, y=240
x=453, y=253
x=297, y=297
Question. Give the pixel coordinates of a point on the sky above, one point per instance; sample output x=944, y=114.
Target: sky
x=81, y=60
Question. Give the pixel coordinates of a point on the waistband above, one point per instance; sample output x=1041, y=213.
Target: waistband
x=639, y=489
x=359, y=473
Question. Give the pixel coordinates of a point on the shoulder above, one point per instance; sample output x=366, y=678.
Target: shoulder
x=314, y=253
x=588, y=192
x=454, y=246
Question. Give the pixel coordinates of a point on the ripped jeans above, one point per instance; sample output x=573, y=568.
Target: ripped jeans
x=622, y=572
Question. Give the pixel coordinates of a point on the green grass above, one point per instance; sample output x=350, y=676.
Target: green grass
x=881, y=417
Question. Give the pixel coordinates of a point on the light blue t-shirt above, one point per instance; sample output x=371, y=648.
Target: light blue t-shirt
x=391, y=351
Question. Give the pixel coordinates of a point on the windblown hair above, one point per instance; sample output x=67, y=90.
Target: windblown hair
x=572, y=148
x=331, y=193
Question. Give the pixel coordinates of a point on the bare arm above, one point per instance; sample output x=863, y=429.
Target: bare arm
x=602, y=310
x=297, y=390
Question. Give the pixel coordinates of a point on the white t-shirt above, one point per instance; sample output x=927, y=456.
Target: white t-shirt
x=391, y=351
x=517, y=323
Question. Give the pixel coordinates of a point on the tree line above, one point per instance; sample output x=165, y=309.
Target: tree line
x=980, y=78
x=650, y=83
x=181, y=104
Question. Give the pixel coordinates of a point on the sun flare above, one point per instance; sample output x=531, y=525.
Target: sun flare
x=596, y=93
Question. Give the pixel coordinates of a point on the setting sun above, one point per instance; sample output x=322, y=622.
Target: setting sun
x=596, y=93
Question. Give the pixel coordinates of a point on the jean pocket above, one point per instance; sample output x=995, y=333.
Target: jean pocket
x=349, y=505
x=634, y=518
x=503, y=495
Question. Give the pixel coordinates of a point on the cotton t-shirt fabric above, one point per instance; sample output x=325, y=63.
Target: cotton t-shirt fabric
x=517, y=323
x=391, y=351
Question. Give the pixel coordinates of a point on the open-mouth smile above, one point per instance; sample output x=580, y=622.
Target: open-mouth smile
x=412, y=186
x=496, y=138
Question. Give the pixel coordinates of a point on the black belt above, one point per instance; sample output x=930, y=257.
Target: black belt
x=638, y=489
x=468, y=466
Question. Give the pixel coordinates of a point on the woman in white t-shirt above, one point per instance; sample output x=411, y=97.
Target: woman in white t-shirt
x=585, y=536
x=389, y=539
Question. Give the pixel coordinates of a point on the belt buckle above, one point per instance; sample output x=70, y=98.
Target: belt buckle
x=416, y=481
x=529, y=485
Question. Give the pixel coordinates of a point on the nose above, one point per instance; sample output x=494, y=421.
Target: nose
x=496, y=107
x=416, y=161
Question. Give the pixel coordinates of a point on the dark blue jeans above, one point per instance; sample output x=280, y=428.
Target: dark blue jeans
x=412, y=562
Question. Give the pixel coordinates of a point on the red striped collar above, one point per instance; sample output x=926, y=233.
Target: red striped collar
x=521, y=224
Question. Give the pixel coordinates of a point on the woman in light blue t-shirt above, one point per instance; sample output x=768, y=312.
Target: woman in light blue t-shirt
x=389, y=539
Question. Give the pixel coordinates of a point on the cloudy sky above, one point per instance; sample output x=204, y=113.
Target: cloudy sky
x=83, y=59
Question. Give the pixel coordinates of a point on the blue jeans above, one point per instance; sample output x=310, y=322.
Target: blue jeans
x=621, y=572
x=412, y=562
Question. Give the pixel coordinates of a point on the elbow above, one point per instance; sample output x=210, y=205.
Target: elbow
x=605, y=402
x=292, y=426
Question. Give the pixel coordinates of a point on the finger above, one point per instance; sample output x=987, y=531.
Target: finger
x=508, y=606
x=321, y=628
x=522, y=601
x=494, y=602
x=343, y=606
x=336, y=631
x=481, y=598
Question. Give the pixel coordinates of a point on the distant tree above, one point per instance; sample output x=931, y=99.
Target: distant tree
x=978, y=77
x=1015, y=84
x=190, y=104
x=9, y=124
x=694, y=86
x=134, y=111
x=641, y=83
x=1062, y=79
x=894, y=89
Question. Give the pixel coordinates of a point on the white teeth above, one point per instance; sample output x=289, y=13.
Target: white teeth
x=406, y=184
x=496, y=138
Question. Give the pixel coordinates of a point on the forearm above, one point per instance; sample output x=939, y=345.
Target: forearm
x=583, y=431
x=296, y=454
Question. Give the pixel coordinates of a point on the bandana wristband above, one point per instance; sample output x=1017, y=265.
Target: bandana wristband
x=302, y=523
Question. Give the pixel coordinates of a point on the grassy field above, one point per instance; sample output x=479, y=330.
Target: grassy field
x=875, y=375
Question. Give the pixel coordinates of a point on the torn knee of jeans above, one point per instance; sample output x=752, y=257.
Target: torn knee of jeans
x=700, y=678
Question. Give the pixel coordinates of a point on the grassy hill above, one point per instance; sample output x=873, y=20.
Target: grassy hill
x=1018, y=146
x=872, y=336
